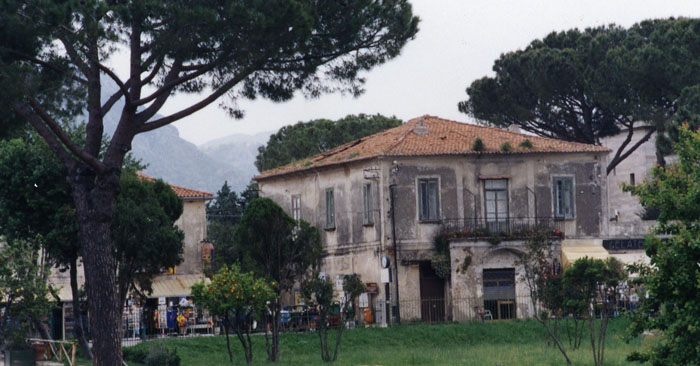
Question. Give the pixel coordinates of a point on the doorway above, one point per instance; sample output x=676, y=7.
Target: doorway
x=432, y=294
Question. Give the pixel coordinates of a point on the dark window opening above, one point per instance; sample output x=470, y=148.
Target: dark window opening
x=563, y=197
x=330, y=209
x=367, y=204
x=499, y=292
x=428, y=199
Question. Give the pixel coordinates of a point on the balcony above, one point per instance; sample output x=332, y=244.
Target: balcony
x=512, y=228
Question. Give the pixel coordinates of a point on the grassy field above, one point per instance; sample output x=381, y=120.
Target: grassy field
x=495, y=343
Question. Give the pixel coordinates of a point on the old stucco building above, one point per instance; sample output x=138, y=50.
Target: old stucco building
x=437, y=179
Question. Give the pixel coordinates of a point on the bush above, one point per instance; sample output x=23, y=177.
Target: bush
x=526, y=144
x=160, y=355
x=135, y=354
x=506, y=147
x=155, y=354
x=478, y=145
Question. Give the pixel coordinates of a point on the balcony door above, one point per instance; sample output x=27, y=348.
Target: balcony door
x=496, y=205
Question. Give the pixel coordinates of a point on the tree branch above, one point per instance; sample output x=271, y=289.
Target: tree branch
x=65, y=139
x=43, y=131
x=157, y=104
x=122, y=87
x=75, y=57
x=154, y=72
x=618, y=158
x=46, y=65
x=195, y=107
x=167, y=87
x=107, y=106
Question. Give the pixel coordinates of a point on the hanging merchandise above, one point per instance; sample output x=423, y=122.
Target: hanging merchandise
x=161, y=317
x=172, y=314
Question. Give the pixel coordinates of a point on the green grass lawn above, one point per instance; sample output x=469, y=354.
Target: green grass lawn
x=491, y=344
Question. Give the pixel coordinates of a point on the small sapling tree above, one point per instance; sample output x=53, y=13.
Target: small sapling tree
x=320, y=291
x=544, y=286
x=595, y=283
x=237, y=298
x=275, y=246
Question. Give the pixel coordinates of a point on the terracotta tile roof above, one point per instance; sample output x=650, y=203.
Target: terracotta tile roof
x=181, y=192
x=429, y=135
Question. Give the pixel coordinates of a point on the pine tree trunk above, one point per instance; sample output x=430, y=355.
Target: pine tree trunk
x=94, y=201
x=79, y=331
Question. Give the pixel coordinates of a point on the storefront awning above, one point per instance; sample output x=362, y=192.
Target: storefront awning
x=570, y=252
x=174, y=285
x=163, y=286
x=632, y=257
x=62, y=290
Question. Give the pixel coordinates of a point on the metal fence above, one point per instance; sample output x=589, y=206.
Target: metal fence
x=465, y=309
x=509, y=227
x=480, y=309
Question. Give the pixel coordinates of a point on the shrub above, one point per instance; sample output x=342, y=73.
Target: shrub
x=478, y=145
x=506, y=147
x=526, y=144
x=160, y=355
x=135, y=354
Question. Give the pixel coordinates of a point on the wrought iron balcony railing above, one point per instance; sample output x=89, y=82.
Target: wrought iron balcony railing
x=505, y=228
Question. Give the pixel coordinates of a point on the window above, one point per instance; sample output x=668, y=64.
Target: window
x=563, y=197
x=367, y=203
x=330, y=209
x=296, y=208
x=496, y=199
x=429, y=207
x=631, y=179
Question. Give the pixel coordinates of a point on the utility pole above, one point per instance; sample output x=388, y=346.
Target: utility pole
x=396, y=253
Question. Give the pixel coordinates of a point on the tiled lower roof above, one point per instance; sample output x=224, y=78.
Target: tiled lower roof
x=429, y=135
x=182, y=192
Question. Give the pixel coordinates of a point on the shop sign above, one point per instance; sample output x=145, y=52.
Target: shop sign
x=623, y=244
x=161, y=301
x=371, y=288
x=339, y=282
x=385, y=275
x=364, y=300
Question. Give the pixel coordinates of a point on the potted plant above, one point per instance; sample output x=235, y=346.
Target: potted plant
x=40, y=349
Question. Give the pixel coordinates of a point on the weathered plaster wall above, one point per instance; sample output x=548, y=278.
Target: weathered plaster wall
x=624, y=209
x=193, y=222
x=467, y=279
x=461, y=196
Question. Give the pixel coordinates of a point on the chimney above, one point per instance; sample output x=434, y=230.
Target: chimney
x=421, y=129
x=514, y=128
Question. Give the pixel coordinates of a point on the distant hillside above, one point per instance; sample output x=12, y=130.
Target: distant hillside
x=182, y=163
x=237, y=150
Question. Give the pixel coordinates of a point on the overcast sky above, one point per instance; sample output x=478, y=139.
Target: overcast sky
x=457, y=43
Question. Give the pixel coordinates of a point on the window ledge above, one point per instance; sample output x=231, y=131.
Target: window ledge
x=430, y=221
x=329, y=228
x=564, y=218
x=369, y=224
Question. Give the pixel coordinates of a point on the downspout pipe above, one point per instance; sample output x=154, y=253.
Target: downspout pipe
x=396, y=253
